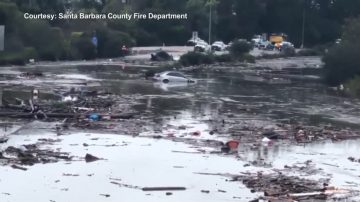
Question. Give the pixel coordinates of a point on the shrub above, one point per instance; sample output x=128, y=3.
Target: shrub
x=353, y=86
x=47, y=40
x=82, y=48
x=111, y=42
x=342, y=60
x=248, y=58
x=288, y=51
x=341, y=63
x=12, y=58
x=29, y=53
x=308, y=52
x=223, y=58
x=195, y=58
x=240, y=47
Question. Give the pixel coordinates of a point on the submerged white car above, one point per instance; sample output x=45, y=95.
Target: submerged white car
x=172, y=76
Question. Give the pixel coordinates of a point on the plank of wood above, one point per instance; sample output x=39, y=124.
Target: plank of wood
x=163, y=188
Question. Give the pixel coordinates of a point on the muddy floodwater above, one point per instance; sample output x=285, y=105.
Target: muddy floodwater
x=173, y=139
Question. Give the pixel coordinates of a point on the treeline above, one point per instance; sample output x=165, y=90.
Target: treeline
x=71, y=39
x=342, y=64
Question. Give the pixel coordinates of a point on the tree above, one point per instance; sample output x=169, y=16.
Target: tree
x=198, y=17
x=342, y=61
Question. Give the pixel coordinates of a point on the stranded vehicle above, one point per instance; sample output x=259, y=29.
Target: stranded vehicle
x=172, y=76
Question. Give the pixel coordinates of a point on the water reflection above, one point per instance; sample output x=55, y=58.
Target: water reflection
x=246, y=93
x=280, y=153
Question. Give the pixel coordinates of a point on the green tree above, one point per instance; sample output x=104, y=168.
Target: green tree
x=342, y=61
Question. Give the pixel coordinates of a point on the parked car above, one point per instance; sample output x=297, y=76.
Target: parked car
x=194, y=41
x=218, y=46
x=256, y=39
x=263, y=44
x=161, y=56
x=202, y=46
x=270, y=46
x=285, y=44
x=172, y=76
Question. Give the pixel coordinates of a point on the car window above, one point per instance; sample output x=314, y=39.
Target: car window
x=176, y=74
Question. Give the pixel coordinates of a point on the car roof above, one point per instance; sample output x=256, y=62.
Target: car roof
x=166, y=72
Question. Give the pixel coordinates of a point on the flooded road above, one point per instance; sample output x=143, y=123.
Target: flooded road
x=219, y=106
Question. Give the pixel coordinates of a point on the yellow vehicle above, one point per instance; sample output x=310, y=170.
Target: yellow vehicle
x=277, y=38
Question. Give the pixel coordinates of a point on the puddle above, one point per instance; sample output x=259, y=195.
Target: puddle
x=126, y=165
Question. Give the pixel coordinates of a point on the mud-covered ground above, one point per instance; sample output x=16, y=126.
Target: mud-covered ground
x=176, y=136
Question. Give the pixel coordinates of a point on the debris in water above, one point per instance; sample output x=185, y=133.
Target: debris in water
x=3, y=140
x=19, y=167
x=196, y=133
x=90, y=158
x=233, y=144
x=163, y=188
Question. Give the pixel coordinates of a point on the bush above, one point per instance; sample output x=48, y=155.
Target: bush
x=342, y=60
x=223, y=58
x=353, y=86
x=195, y=58
x=47, y=40
x=341, y=63
x=111, y=42
x=12, y=58
x=288, y=51
x=239, y=48
x=308, y=52
x=82, y=48
x=248, y=58
x=30, y=53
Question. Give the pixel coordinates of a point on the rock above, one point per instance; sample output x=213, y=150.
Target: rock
x=352, y=159
x=168, y=193
x=3, y=140
x=161, y=56
x=90, y=158
x=196, y=133
x=271, y=135
x=19, y=167
x=225, y=149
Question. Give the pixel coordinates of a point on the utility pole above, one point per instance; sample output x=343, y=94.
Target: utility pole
x=210, y=3
x=303, y=26
x=210, y=20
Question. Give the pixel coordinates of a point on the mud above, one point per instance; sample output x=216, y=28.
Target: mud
x=287, y=126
